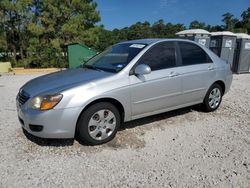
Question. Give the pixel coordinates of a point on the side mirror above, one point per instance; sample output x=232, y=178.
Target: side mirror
x=142, y=69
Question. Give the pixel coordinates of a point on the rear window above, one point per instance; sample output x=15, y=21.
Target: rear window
x=193, y=54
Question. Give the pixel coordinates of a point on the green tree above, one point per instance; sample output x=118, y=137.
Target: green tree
x=14, y=19
x=159, y=29
x=57, y=23
x=3, y=43
x=246, y=20
x=197, y=25
x=122, y=34
x=3, y=46
x=35, y=30
x=106, y=39
x=229, y=21
x=215, y=28
x=139, y=30
x=171, y=29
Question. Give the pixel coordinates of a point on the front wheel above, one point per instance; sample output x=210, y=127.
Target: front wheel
x=98, y=124
x=213, y=98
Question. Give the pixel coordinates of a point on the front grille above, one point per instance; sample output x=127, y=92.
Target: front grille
x=22, y=97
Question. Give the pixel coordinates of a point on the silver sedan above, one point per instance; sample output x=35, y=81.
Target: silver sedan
x=129, y=80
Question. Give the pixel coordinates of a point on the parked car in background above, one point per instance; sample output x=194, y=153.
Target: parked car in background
x=129, y=80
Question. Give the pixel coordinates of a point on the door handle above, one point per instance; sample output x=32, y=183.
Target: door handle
x=174, y=74
x=211, y=68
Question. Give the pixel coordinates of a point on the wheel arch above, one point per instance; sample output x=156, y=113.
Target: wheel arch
x=113, y=101
x=222, y=84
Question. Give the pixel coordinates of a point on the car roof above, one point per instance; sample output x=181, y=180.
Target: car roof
x=142, y=41
x=153, y=40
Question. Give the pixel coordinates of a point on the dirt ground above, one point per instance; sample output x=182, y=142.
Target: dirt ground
x=183, y=148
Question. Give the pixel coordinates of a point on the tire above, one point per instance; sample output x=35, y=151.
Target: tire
x=98, y=124
x=213, y=98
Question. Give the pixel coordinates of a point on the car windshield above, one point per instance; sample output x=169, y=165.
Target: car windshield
x=115, y=58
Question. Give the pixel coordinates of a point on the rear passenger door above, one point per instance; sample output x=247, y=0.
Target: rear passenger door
x=197, y=71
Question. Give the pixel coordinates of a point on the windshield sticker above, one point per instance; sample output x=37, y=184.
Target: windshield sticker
x=137, y=46
x=119, y=66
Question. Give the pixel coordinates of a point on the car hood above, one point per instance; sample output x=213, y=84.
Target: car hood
x=59, y=81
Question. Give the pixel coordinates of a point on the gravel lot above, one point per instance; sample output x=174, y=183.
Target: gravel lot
x=184, y=148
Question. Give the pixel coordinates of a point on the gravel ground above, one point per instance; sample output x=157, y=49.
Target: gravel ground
x=183, y=148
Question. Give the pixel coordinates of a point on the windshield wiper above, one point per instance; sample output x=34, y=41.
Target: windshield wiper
x=91, y=67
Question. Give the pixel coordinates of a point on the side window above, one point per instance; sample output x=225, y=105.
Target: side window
x=160, y=56
x=193, y=54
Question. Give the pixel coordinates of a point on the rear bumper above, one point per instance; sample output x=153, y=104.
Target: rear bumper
x=228, y=83
x=55, y=123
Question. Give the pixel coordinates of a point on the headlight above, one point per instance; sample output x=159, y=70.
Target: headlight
x=46, y=102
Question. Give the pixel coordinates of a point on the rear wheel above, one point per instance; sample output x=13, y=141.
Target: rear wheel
x=98, y=124
x=213, y=98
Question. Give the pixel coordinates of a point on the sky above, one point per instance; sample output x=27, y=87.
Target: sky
x=123, y=13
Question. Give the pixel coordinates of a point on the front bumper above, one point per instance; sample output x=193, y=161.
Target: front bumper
x=56, y=123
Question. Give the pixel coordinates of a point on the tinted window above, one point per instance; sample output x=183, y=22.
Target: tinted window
x=160, y=56
x=193, y=54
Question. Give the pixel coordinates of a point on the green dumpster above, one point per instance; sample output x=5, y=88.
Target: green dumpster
x=5, y=67
x=78, y=54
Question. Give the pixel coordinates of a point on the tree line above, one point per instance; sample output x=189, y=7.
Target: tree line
x=33, y=33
